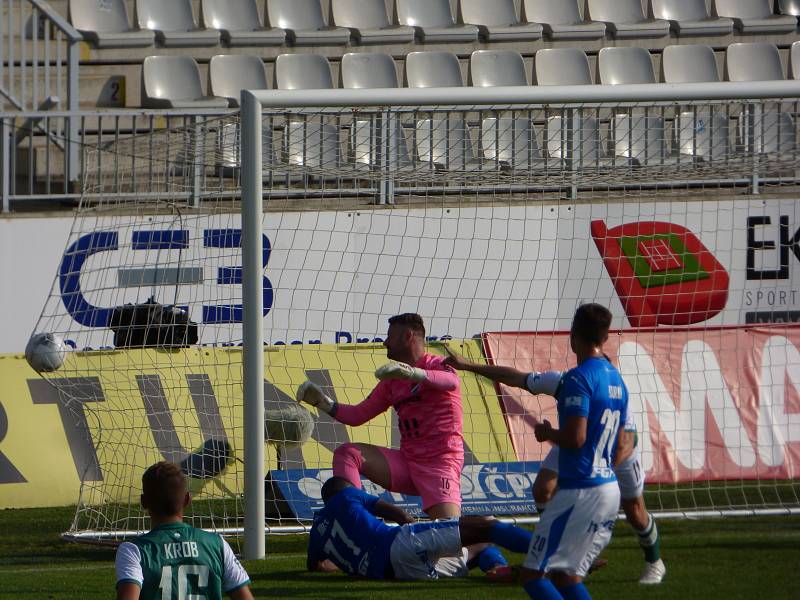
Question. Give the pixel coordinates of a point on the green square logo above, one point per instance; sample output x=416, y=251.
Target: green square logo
x=659, y=260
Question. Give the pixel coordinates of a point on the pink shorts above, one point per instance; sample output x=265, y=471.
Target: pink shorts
x=436, y=481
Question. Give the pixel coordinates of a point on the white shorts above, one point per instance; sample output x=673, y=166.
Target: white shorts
x=629, y=473
x=429, y=551
x=574, y=530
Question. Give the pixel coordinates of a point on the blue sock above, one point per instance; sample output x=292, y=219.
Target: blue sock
x=575, y=592
x=542, y=589
x=510, y=537
x=491, y=557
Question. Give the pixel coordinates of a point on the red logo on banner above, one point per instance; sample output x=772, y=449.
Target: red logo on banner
x=662, y=272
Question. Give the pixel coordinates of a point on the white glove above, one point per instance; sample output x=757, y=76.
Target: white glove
x=312, y=394
x=399, y=370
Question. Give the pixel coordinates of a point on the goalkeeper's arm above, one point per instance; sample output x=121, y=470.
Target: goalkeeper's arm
x=376, y=403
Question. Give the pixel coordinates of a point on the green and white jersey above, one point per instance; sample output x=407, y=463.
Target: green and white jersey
x=176, y=561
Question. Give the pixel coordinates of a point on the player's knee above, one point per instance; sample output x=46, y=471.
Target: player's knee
x=350, y=453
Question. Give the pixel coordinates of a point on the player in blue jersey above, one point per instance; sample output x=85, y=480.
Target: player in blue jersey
x=349, y=533
x=628, y=466
x=592, y=410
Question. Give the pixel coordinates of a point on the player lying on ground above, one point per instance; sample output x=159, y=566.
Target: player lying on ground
x=628, y=468
x=348, y=533
x=426, y=395
x=174, y=560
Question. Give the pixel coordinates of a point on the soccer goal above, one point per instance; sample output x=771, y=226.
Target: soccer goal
x=207, y=276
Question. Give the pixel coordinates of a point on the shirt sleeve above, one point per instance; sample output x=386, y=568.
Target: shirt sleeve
x=234, y=576
x=128, y=564
x=441, y=377
x=377, y=402
x=546, y=382
x=575, y=396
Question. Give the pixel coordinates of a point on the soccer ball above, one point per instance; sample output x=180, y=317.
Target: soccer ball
x=287, y=424
x=45, y=352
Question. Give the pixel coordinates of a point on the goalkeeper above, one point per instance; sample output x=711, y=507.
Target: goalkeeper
x=348, y=533
x=426, y=395
x=628, y=468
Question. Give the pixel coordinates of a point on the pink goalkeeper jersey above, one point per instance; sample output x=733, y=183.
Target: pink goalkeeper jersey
x=428, y=412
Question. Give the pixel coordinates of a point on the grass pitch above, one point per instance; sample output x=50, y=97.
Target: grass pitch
x=712, y=559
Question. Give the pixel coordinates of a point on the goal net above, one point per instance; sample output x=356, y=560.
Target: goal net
x=493, y=222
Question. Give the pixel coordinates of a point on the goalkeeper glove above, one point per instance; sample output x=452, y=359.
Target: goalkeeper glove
x=312, y=394
x=398, y=370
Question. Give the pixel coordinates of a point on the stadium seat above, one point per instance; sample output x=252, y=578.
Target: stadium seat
x=365, y=70
x=573, y=135
x=107, y=27
x=309, y=141
x=443, y=140
x=763, y=128
x=497, y=21
x=638, y=134
x=789, y=7
x=625, y=19
x=755, y=16
x=509, y=136
x=239, y=24
x=174, y=82
x=794, y=60
x=173, y=23
x=229, y=74
x=702, y=131
x=369, y=23
x=304, y=23
x=561, y=20
x=690, y=17
x=433, y=21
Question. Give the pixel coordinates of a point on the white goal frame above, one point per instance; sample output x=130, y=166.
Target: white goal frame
x=253, y=103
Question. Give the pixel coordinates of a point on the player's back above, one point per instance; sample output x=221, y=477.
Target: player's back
x=180, y=561
x=346, y=532
x=595, y=390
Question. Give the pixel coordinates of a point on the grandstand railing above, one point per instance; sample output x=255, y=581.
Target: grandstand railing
x=39, y=70
x=759, y=120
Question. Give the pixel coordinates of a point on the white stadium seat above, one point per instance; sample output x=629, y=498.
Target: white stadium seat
x=561, y=20
x=433, y=21
x=764, y=129
x=637, y=134
x=443, y=140
x=239, y=24
x=309, y=140
x=365, y=70
x=369, y=23
x=497, y=21
x=107, y=26
x=507, y=137
x=303, y=22
x=701, y=131
x=173, y=23
x=174, y=82
x=229, y=74
x=789, y=7
x=625, y=19
x=794, y=60
x=572, y=135
x=690, y=17
x=755, y=16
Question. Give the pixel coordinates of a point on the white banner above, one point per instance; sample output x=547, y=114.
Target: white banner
x=337, y=276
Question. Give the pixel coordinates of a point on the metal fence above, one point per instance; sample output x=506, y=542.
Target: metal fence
x=568, y=149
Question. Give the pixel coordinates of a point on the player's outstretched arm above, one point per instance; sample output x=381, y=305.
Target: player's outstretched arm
x=376, y=403
x=506, y=375
x=389, y=512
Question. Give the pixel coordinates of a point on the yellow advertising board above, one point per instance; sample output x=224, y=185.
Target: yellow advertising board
x=106, y=415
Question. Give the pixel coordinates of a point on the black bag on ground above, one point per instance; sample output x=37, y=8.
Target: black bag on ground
x=152, y=325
